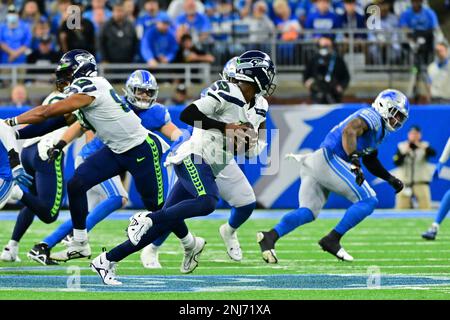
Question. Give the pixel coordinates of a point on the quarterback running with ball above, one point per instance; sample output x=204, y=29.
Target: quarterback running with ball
x=336, y=167
x=225, y=113
x=233, y=185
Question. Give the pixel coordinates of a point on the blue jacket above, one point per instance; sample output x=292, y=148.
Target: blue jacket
x=155, y=43
x=15, y=38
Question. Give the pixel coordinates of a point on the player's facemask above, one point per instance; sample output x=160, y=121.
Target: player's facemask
x=142, y=98
x=396, y=118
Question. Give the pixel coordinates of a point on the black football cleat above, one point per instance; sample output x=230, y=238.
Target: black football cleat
x=266, y=241
x=41, y=254
x=332, y=245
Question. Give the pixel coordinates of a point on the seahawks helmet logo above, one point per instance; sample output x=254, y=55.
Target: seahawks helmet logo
x=84, y=58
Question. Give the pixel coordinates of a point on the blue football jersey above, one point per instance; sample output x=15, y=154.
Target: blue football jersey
x=152, y=119
x=367, y=143
x=5, y=170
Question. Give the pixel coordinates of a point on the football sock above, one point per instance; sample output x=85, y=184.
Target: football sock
x=80, y=235
x=23, y=222
x=443, y=208
x=99, y=213
x=240, y=214
x=13, y=243
x=188, y=242
x=355, y=214
x=293, y=220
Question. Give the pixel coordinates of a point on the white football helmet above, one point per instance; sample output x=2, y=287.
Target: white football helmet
x=229, y=70
x=141, y=89
x=393, y=107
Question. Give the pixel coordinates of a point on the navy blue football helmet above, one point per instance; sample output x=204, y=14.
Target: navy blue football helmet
x=75, y=64
x=257, y=67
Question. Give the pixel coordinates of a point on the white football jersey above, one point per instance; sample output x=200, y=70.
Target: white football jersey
x=53, y=97
x=222, y=101
x=108, y=116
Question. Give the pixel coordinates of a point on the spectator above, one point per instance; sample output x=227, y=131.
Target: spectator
x=159, y=44
x=15, y=38
x=130, y=10
x=176, y=8
x=288, y=27
x=323, y=18
x=439, y=75
x=180, y=98
x=245, y=8
x=98, y=14
x=189, y=53
x=412, y=162
x=352, y=18
x=261, y=28
x=44, y=53
x=40, y=29
x=19, y=96
x=326, y=75
x=30, y=12
x=386, y=39
x=422, y=21
x=223, y=20
x=118, y=40
x=148, y=19
x=193, y=22
x=77, y=38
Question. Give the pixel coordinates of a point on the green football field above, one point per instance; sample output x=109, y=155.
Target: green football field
x=391, y=262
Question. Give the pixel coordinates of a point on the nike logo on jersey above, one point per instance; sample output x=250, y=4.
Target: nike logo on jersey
x=140, y=159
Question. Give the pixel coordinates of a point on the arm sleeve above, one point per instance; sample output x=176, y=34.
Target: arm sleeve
x=194, y=117
x=37, y=130
x=446, y=153
x=375, y=167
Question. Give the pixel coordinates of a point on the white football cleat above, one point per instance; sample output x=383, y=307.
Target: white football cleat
x=10, y=254
x=231, y=242
x=190, y=260
x=75, y=250
x=343, y=255
x=139, y=225
x=149, y=257
x=106, y=270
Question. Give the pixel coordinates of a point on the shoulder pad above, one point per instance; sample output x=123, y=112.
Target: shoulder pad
x=82, y=85
x=226, y=92
x=371, y=117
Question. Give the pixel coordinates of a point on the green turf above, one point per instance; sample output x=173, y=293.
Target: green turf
x=393, y=245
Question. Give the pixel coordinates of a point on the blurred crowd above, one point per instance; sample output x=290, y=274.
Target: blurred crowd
x=191, y=31
x=153, y=31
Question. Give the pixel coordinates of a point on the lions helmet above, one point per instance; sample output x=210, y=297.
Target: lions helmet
x=141, y=89
x=393, y=107
x=229, y=70
x=257, y=67
x=75, y=64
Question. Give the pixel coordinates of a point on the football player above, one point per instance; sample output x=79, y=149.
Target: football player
x=431, y=233
x=141, y=92
x=336, y=167
x=233, y=187
x=129, y=146
x=47, y=191
x=226, y=110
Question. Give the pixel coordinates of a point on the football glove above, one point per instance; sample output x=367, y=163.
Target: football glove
x=21, y=177
x=55, y=151
x=355, y=168
x=397, y=184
